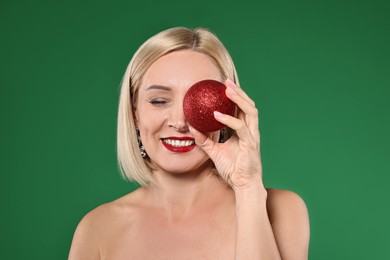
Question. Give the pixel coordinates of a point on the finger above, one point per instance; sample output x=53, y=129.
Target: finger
x=203, y=141
x=246, y=106
x=247, y=111
x=240, y=91
x=253, y=122
x=252, y=116
x=236, y=124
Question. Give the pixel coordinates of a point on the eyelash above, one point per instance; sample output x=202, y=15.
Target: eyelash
x=158, y=102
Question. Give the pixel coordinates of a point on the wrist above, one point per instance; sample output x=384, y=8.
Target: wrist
x=244, y=185
x=253, y=190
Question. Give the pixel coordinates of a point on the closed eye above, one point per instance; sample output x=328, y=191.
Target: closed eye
x=158, y=101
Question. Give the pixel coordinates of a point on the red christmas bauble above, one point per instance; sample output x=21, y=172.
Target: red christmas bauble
x=200, y=102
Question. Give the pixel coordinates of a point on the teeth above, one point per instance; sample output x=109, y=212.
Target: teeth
x=178, y=143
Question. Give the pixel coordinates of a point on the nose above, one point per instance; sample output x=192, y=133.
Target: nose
x=177, y=119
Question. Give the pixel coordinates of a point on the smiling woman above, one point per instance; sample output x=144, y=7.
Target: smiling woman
x=200, y=198
x=160, y=97
x=163, y=125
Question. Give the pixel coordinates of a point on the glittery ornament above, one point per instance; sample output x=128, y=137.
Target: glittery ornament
x=200, y=102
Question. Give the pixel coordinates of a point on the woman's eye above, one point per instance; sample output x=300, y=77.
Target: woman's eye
x=158, y=102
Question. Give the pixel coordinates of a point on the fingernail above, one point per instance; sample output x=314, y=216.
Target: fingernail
x=231, y=90
x=218, y=114
x=230, y=82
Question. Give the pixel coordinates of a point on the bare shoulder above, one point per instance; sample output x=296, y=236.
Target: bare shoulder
x=289, y=218
x=105, y=213
x=285, y=205
x=97, y=225
x=285, y=200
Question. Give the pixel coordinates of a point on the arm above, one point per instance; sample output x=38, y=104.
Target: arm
x=280, y=223
x=238, y=161
x=255, y=238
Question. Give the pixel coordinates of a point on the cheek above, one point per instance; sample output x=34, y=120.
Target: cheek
x=150, y=119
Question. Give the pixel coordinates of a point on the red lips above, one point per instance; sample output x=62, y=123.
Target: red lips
x=179, y=144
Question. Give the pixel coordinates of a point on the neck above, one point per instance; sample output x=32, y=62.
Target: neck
x=180, y=195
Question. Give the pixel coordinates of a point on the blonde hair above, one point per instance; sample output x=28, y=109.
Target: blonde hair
x=131, y=164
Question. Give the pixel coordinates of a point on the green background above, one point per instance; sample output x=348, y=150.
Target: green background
x=319, y=72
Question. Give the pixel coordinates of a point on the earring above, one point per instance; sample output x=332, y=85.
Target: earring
x=141, y=146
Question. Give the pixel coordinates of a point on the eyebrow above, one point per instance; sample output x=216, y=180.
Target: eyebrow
x=158, y=87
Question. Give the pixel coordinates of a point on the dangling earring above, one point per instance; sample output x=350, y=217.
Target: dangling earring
x=141, y=146
x=222, y=135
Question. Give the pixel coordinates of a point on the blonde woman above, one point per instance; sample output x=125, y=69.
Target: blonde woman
x=201, y=198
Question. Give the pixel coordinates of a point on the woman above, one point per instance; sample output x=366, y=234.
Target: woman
x=205, y=200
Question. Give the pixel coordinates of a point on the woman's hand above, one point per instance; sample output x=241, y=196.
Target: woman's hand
x=238, y=159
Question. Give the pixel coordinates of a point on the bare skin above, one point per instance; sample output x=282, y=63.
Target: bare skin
x=129, y=229
x=189, y=211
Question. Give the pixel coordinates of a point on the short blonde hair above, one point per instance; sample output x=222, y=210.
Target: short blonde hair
x=131, y=164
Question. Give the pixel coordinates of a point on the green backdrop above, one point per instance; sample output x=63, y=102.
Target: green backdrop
x=319, y=72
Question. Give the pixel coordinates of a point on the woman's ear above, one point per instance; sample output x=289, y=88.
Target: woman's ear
x=135, y=118
x=133, y=106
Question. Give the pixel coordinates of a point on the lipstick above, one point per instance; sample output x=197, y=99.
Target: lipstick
x=178, y=144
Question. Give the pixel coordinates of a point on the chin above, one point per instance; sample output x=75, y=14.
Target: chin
x=183, y=167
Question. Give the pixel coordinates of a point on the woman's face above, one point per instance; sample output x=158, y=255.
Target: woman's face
x=159, y=110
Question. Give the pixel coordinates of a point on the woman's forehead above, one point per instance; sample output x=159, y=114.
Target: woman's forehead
x=181, y=68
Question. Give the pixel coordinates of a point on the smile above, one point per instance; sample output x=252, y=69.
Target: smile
x=179, y=144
